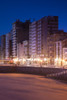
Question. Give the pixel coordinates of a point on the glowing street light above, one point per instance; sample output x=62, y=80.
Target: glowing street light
x=45, y=59
x=15, y=60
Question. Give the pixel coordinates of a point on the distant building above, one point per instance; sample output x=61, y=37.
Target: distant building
x=51, y=48
x=2, y=47
x=20, y=32
x=38, y=32
x=64, y=59
x=61, y=52
x=8, y=49
x=23, y=50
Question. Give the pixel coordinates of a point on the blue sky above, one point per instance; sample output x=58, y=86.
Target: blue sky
x=10, y=10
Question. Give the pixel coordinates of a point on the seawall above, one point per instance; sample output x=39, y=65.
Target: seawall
x=56, y=73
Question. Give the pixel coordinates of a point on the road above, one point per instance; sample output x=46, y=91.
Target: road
x=31, y=87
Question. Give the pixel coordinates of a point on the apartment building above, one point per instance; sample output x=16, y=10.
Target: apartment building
x=20, y=32
x=38, y=31
x=61, y=52
x=51, y=40
x=8, y=48
x=2, y=47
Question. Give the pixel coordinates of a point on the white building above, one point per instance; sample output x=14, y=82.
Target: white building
x=14, y=41
x=58, y=53
x=23, y=50
x=61, y=53
x=59, y=49
x=32, y=39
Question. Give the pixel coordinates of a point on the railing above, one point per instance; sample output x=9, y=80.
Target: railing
x=57, y=74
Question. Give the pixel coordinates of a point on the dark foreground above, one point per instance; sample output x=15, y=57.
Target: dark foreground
x=30, y=87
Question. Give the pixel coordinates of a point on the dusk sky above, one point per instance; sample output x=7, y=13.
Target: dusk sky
x=10, y=10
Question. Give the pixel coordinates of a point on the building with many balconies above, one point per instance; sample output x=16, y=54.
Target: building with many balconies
x=38, y=31
x=20, y=32
x=8, y=48
x=54, y=44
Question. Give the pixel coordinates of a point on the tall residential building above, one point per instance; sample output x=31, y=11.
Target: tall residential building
x=20, y=32
x=32, y=39
x=38, y=32
x=8, y=49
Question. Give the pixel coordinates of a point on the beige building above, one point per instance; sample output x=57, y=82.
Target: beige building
x=61, y=53
x=54, y=44
x=23, y=50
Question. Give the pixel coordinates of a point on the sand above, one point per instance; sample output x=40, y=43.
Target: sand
x=31, y=87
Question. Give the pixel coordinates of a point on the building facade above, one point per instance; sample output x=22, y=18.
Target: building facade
x=51, y=48
x=2, y=47
x=38, y=32
x=8, y=50
x=23, y=50
x=20, y=32
x=32, y=39
x=61, y=52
